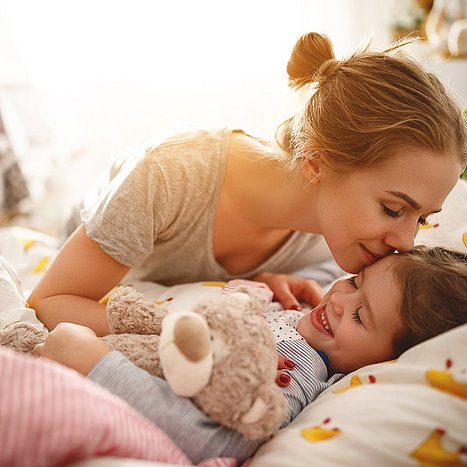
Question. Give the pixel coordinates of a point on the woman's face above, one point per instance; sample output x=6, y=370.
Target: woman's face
x=374, y=211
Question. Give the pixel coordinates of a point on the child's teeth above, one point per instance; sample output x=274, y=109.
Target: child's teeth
x=325, y=324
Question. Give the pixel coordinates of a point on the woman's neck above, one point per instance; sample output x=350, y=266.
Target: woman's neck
x=265, y=194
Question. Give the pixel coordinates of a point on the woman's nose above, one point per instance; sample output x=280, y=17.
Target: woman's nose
x=401, y=237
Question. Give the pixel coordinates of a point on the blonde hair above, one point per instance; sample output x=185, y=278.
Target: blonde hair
x=366, y=107
x=434, y=293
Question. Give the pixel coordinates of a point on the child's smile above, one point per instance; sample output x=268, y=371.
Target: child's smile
x=319, y=320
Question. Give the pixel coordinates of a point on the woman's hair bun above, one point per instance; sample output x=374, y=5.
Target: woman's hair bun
x=310, y=52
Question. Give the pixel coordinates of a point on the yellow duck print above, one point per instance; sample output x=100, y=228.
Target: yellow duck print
x=27, y=243
x=445, y=381
x=431, y=453
x=214, y=284
x=41, y=264
x=318, y=433
x=429, y=226
x=354, y=382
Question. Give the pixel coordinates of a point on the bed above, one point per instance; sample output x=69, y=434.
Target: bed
x=412, y=411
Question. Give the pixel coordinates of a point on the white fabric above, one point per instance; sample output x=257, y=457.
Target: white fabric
x=283, y=323
x=448, y=228
x=12, y=302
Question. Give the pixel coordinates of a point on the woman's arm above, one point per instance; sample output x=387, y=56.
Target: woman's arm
x=75, y=282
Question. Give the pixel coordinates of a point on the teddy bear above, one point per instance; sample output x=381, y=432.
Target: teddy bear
x=222, y=354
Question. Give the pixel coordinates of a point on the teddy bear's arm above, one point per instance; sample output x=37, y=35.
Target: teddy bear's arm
x=22, y=336
x=129, y=312
x=142, y=350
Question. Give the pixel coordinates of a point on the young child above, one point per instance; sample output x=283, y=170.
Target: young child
x=397, y=302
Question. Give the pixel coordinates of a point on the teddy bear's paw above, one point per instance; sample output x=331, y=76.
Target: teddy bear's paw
x=249, y=287
x=251, y=300
x=265, y=415
x=185, y=352
x=142, y=350
x=129, y=312
x=22, y=336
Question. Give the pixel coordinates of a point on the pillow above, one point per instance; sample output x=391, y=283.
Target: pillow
x=12, y=302
x=448, y=228
x=412, y=411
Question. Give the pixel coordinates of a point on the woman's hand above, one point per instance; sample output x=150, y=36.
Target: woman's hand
x=74, y=346
x=283, y=379
x=288, y=290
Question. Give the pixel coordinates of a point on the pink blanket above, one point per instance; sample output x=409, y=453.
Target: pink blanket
x=50, y=416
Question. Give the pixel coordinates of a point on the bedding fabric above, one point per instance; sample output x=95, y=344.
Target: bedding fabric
x=51, y=416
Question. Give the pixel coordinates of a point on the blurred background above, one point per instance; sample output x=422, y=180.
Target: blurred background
x=82, y=80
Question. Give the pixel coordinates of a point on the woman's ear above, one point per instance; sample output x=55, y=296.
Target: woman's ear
x=312, y=168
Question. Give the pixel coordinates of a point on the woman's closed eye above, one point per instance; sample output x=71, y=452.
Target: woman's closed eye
x=392, y=213
x=396, y=214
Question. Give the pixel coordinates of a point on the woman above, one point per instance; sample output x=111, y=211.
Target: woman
x=377, y=148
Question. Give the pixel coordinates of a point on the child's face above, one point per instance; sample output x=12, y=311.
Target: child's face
x=357, y=319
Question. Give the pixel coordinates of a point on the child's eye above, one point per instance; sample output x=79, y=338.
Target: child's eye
x=391, y=213
x=422, y=221
x=356, y=315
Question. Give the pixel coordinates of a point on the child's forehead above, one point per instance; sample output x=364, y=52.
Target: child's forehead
x=382, y=266
x=383, y=292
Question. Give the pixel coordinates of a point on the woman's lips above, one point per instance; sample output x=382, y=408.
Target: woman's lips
x=369, y=255
x=319, y=320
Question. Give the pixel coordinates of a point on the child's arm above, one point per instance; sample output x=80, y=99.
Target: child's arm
x=74, y=346
x=195, y=434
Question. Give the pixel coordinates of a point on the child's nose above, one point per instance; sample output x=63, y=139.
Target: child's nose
x=337, y=300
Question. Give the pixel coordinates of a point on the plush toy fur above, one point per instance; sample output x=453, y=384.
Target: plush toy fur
x=222, y=354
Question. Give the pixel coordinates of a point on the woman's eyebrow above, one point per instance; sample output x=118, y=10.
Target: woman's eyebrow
x=406, y=198
x=410, y=200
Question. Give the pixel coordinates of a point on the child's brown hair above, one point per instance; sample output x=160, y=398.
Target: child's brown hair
x=434, y=293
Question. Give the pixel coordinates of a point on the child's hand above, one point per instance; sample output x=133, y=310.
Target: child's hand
x=288, y=290
x=74, y=346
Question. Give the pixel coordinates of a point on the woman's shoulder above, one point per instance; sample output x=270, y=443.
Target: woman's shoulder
x=194, y=139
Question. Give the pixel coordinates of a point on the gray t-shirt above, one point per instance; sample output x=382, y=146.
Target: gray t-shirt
x=155, y=212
